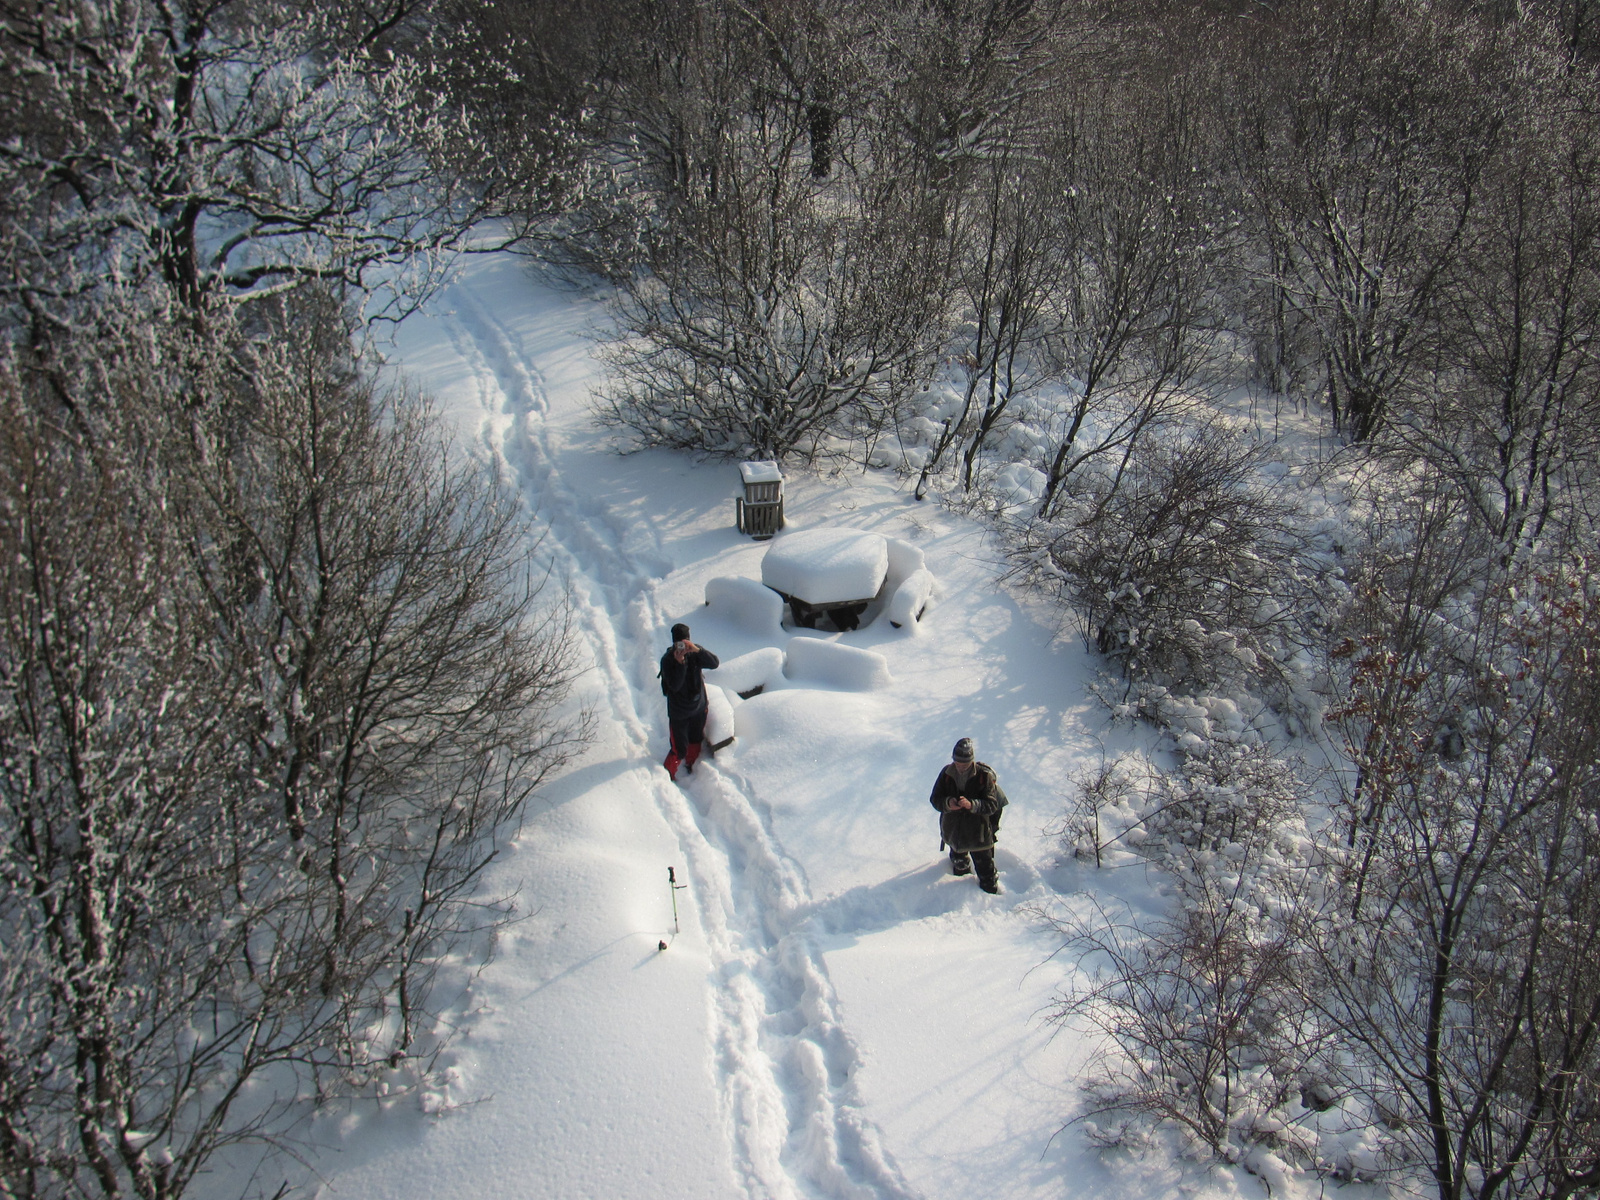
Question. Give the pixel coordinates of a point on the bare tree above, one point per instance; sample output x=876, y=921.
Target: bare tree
x=115, y=849
x=778, y=317
x=407, y=668
x=969, y=80
x=1129, y=321
x=215, y=148
x=1005, y=280
x=1421, y=557
x=1510, y=418
x=1361, y=159
x=798, y=267
x=1460, y=967
x=275, y=685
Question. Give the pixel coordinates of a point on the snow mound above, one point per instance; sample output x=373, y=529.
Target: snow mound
x=758, y=669
x=762, y=471
x=746, y=604
x=838, y=666
x=1020, y=483
x=911, y=597
x=905, y=560
x=803, y=724
x=719, y=715
x=827, y=566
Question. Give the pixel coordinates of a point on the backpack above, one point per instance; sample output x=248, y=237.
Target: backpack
x=1000, y=794
x=665, y=690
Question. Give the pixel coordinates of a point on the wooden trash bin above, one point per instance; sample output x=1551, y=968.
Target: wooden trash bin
x=759, y=512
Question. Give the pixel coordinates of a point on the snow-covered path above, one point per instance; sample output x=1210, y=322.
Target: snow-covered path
x=838, y=1017
x=782, y=1062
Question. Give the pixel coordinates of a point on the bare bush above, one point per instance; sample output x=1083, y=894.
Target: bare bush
x=1233, y=795
x=1105, y=804
x=1233, y=799
x=777, y=319
x=1176, y=569
x=1203, y=1010
x=1206, y=1010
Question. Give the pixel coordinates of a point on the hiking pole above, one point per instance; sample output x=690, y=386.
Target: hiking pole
x=674, y=887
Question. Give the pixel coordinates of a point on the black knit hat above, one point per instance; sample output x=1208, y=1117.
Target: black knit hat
x=965, y=751
x=680, y=632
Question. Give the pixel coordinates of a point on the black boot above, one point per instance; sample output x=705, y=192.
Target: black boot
x=988, y=877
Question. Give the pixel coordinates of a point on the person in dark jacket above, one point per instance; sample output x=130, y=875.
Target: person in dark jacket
x=686, y=698
x=969, y=799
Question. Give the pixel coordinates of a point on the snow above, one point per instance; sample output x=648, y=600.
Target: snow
x=751, y=605
x=905, y=560
x=721, y=721
x=838, y=1017
x=763, y=471
x=910, y=598
x=1019, y=484
x=824, y=566
x=834, y=665
x=758, y=669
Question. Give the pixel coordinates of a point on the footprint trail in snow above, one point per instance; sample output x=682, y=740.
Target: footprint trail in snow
x=785, y=1063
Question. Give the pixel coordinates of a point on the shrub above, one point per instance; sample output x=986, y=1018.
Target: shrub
x=1175, y=568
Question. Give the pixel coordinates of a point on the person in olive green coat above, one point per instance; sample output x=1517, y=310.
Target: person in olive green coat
x=969, y=798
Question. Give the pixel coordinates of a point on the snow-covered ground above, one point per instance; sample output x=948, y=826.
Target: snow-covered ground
x=838, y=1017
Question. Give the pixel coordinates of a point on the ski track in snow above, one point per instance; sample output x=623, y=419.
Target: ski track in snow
x=785, y=1062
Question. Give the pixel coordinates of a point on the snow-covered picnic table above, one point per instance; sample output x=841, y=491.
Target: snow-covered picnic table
x=837, y=571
